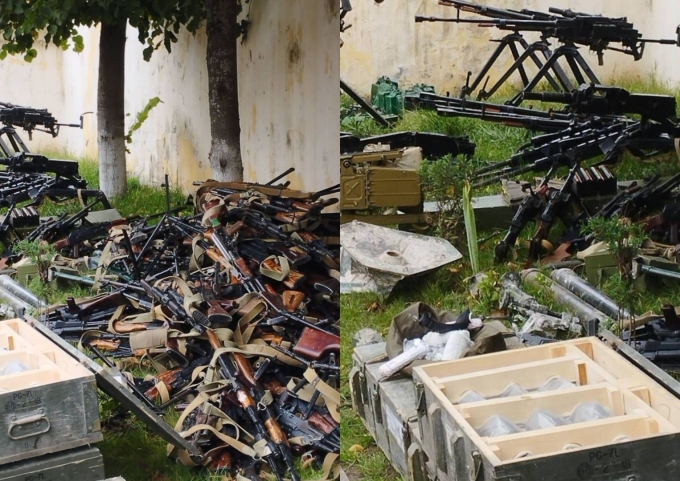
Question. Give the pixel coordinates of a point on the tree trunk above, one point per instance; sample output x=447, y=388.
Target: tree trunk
x=111, y=110
x=225, y=151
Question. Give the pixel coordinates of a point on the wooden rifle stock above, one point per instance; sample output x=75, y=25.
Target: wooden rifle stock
x=221, y=461
x=167, y=378
x=315, y=344
x=292, y=300
x=320, y=423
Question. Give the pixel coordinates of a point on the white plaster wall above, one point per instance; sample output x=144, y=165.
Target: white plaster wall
x=385, y=40
x=288, y=101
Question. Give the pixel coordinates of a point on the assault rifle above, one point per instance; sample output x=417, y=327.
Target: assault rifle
x=557, y=200
x=528, y=209
x=269, y=430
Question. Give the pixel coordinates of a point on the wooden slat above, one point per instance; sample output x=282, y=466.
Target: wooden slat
x=493, y=361
x=22, y=380
x=519, y=409
x=627, y=376
x=587, y=435
x=492, y=383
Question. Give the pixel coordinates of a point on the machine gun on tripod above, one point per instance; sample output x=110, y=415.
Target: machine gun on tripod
x=31, y=119
x=570, y=29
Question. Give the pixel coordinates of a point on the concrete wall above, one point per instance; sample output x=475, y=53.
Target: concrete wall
x=288, y=71
x=385, y=40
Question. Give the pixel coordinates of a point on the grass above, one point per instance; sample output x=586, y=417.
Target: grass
x=140, y=199
x=448, y=287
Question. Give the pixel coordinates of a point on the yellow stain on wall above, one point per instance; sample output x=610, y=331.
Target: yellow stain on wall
x=190, y=169
x=253, y=127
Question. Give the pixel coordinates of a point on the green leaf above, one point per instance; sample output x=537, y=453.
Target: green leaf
x=3, y=54
x=148, y=52
x=141, y=117
x=78, y=43
x=30, y=55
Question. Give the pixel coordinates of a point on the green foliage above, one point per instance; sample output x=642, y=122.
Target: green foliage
x=470, y=228
x=443, y=181
x=622, y=237
x=57, y=21
x=40, y=253
x=141, y=118
x=488, y=293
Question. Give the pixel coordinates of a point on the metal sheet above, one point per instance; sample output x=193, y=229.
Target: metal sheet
x=113, y=388
x=375, y=258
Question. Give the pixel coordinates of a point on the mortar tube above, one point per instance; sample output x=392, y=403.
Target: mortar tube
x=565, y=298
x=21, y=292
x=511, y=287
x=13, y=301
x=589, y=294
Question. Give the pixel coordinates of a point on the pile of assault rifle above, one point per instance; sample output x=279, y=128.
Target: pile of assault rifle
x=233, y=309
x=576, y=141
x=585, y=138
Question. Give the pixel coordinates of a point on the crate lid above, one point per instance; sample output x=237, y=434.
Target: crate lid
x=107, y=383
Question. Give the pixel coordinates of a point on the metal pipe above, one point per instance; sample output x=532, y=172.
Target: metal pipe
x=19, y=305
x=70, y=277
x=20, y=292
x=655, y=271
x=588, y=293
x=565, y=298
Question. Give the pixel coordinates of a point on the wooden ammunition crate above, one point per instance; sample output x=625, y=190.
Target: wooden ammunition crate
x=373, y=380
x=398, y=407
x=81, y=464
x=638, y=442
x=52, y=406
x=419, y=467
x=362, y=400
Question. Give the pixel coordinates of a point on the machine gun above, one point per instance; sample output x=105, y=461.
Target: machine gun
x=602, y=100
x=34, y=163
x=593, y=31
x=597, y=32
x=493, y=12
x=31, y=119
x=561, y=151
x=654, y=195
x=642, y=139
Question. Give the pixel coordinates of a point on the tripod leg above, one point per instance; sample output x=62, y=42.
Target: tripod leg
x=539, y=46
x=516, y=65
x=517, y=99
x=586, y=68
x=575, y=69
x=522, y=71
x=562, y=77
x=502, y=44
